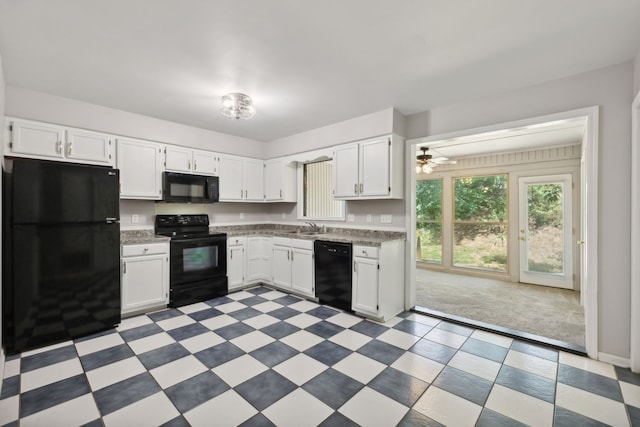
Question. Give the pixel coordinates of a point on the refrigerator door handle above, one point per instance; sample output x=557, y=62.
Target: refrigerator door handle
x=112, y=220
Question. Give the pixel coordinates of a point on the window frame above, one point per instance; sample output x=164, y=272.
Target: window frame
x=301, y=184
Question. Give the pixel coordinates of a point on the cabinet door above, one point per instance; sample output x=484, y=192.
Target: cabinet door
x=235, y=266
x=39, y=140
x=273, y=181
x=177, y=159
x=281, y=266
x=365, y=285
x=374, y=168
x=144, y=282
x=205, y=162
x=345, y=172
x=90, y=147
x=140, y=164
x=253, y=180
x=258, y=259
x=231, y=179
x=302, y=271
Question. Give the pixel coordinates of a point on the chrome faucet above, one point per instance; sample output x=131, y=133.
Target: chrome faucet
x=313, y=225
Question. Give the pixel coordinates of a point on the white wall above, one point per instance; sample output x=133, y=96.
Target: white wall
x=2, y=90
x=612, y=89
x=636, y=74
x=29, y=104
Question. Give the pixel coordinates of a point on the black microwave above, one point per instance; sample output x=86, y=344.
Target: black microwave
x=186, y=188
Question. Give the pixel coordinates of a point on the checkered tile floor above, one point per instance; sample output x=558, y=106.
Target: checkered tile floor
x=262, y=357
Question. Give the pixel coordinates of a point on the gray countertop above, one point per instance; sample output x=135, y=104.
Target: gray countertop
x=344, y=235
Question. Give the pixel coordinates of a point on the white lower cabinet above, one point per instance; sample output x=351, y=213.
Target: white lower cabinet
x=145, y=277
x=292, y=265
x=235, y=262
x=378, y=280
x=258, y=256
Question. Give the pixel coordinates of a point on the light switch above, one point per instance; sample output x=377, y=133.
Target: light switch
x=134, y=219
x=368, y=217
x=351, y=217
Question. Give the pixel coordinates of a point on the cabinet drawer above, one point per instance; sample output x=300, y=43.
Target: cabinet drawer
x=281, y=241
x=145, y=249
x=235, y=241
x=365, y=251
x=302, y=244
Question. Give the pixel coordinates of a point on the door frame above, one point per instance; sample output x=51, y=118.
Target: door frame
x=589, y=216
x=568, y=238
x=635, y=234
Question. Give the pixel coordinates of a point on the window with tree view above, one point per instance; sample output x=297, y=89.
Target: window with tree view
x=480, y=222
x=429, y=221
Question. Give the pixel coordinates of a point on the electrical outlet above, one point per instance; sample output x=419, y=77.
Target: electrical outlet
x=351, y=217
x=368, y=217
x=386, y=219
x=284, y=215
x=135, y=219
x=241, y=215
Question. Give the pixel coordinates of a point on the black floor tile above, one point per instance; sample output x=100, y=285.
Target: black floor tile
x=233, y=331
x=594, y=383
x=464, y=384
x=251, y=301
x=535, y=350
x=47, y=358
x=634, y=415
x=528, y=383
x=141, y=332
x=328, y=353
x=338, y=420
x=413, y=328
x=322, y=312
x=625, y=374
x=489, y=418
x=259, y=290
x=245, y=313
x=106, y=357
x=187, y=331
x=205, y=314
x=10, y=387
x=333, y=388
x=369, y=329
x=165, y=314
x=456, y=329
x=53, y=394
x=274, y=353
x=566, y=418
x=163, y=355
x=219, y=301
x=381, y=351
x=179, y=421
x=280, y=330
x=415, y=418
x=283, y=313
x=287, y=300
x=399, y=386
x=433, y=350
x=325, y=329
x=219, y=354
x=265, y=389
x=196, y=390
x=95, y=423
x=124, y=393
x=258, y=420
x=485, y=349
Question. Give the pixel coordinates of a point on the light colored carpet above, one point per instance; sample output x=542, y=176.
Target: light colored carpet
x=549, y=312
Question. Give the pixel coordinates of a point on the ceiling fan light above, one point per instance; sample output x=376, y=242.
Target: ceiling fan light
x=427, y=169
x=418, y=168
x=237, y=106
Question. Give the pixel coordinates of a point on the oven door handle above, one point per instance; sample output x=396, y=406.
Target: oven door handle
x=199, y=239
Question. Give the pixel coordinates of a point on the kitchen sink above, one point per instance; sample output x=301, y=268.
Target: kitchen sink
x=305, y=233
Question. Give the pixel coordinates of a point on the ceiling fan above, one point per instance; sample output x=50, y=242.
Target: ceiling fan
x=425, y=162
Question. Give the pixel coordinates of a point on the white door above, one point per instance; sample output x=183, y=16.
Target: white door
x=546, y=230
x=281, y=266
x=273, y=180
x=231, y=179
x=205, y=163
x=374, y=168
x=302, y=271
x=90, y=147
x=143, y=281
x=177, y=159
x=253, y=176
x=235, y=266
x=365, y=285
x=140, y=164
x=345, y=172
x=36, y=139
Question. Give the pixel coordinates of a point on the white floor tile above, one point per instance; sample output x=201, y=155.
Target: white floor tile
x=447, y=408
x=298, y=408
x=230, y=409
x=202, y=342
x=50, y=374
x=175, y=322
x=584, y=363
x=390, y=323
x=9, y=409
x=218, y=322
x=535, y=365
x=12, y=368
x=267, y=307
x=239, y=370
x=630, y=393
x=151, y=411
x=301, y=340
x=97, y=344
x=418, y=366
x=230, y=307
x=399, y=338
x=177, y=371
x=476, y=365
x=370, y=408
x=343, y=319
x=304, y=306
x=237, y=296
x=592, y=405
x=519, y=406
x=350, y=339
x=261, y=321
x=300, y=368
x=496, y=339
x=273, y=295
x=47, y=348
x=302, y=320
x=133, y=322
x=78, y=411
x=114, y=372
x=446, y=338
x=359, y=367
x=425, y=320
x=252, y=341
x=192, y=308
x=151, y=342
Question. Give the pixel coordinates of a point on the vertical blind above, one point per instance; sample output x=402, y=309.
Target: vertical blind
x=318, y=192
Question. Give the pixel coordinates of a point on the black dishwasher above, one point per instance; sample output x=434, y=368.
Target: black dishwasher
x=333, y=273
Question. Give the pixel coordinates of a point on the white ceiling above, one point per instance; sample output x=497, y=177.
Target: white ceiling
x=306, y=63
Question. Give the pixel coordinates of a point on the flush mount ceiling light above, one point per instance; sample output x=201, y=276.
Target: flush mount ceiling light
x=237, y=106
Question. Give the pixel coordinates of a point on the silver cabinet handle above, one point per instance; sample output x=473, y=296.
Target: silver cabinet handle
x=195, y=165
x=288, y=255
x=59, y=147
x=361, y=185
x=245, y=194
x=281, y=194
x=231, y=254
x=124, y=268
x=354, y=267
x=291, y=255
x=189, y=164
x=69, y=149
x=355, y=188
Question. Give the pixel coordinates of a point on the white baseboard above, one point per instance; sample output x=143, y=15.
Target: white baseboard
x=622, y=362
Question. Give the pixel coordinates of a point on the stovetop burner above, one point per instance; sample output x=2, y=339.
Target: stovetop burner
x=184, y=226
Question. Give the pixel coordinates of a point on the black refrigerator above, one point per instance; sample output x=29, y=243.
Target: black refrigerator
x=61, y=252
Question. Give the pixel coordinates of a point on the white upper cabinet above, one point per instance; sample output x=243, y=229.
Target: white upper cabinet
x=252, y=178
x=279, y=181
x=140, y=164
x=186, y=160
x=51, y=142
x=241, y=179
x=370, y=169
